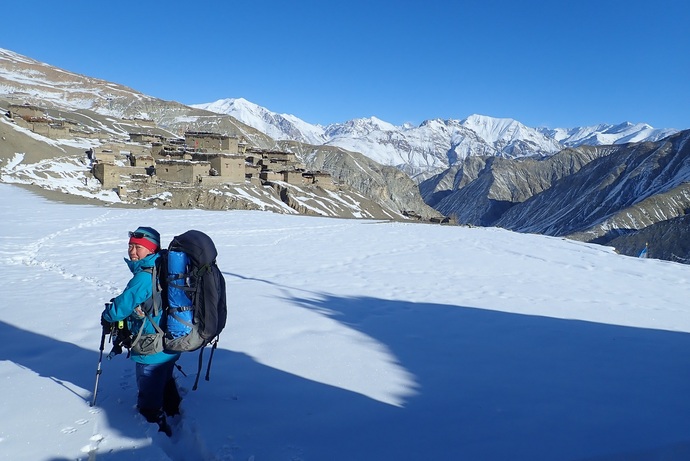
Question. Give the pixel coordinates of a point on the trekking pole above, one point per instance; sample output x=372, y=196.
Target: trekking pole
x=98, y=369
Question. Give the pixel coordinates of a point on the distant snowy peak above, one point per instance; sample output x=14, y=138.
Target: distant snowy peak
x=499, y=136
x=492, y=129
x=359, y=127
x=605, y=134
x=427, y=148
x=277, y=126
x=436, y=144
x=504, y=132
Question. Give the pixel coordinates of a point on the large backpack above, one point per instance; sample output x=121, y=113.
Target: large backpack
x=193, y=292
x=190, y=290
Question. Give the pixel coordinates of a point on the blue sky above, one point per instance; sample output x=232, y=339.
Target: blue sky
x=555, y=64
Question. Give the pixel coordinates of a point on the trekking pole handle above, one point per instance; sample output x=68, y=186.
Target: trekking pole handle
x=102, y=346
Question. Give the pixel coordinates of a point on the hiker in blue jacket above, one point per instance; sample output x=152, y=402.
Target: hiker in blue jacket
x=157, y=391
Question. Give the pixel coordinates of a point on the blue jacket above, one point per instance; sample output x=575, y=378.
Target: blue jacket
x=137, y=291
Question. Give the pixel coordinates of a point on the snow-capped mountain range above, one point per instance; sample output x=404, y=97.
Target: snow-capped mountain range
x=420, y=151
x=434, y=145
x=480, y=170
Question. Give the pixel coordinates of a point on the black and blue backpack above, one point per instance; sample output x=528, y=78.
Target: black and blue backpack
x=193, y=292
x=190, y=290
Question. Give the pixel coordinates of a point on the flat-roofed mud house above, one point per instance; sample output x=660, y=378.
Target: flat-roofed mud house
x=169, y=151
x=142, y=161
x=104, y=156
x=58, y=129
x=292, y=176
x=203, y=159
x=318, y=178
x=252, y=173
x=273, y=159
x=124, y=149
x=36, y=119
x=271, y=176
x=212, y=142
x=230, y=167
x=108, y=174
x=183, y=171
x=146, y=137
x=26, y=111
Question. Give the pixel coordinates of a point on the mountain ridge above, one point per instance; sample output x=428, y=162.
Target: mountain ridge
x=114, y=111
x=435, y=144
x=480, y=170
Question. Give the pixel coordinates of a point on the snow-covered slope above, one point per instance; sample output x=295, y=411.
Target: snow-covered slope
x=349, y=340
x=29, y=80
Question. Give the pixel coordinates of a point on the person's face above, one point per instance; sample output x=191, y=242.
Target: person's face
x=137, y=252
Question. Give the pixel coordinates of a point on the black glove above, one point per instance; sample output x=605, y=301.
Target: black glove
x=105, y=324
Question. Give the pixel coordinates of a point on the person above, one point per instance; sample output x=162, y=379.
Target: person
x=157, y=391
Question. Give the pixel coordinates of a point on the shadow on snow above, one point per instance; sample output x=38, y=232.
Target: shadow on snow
x=491, y=386
x=495, y=385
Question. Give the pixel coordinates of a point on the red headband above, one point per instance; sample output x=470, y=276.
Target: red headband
x=148, y=244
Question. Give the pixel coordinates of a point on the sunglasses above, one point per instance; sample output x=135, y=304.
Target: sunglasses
x=138, y=235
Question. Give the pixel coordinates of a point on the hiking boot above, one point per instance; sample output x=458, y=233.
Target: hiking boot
x=158, y=417
x=152, y=415
x=163, y=426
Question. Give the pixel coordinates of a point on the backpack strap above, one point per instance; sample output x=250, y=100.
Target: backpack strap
x=210, y=359
x=154, y=300
x=141, y=330
x=171, y=312
x=198, y=371
x=154, y=285
x=214, y=343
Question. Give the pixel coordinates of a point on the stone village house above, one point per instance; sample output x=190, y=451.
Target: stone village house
x=38, y=120
x=206, y=158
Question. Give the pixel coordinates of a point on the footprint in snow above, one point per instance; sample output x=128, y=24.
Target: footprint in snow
x=72, y=430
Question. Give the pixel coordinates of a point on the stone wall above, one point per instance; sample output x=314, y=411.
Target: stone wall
x=106, y=156
x=212, y=142
x=293, y=177
x=51, y=130
x=184, y=171
x=268, y=175
x=108, y=174
x=143, y=161
x=228, y=166
x=145, y=137
x=26, y=111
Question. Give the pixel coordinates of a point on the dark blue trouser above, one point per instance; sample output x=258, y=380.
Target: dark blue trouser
x=157, y=388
